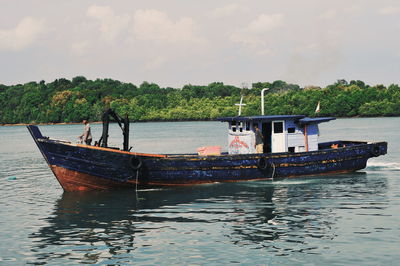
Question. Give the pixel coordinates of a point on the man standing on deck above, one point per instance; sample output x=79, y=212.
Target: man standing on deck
x=259, y=145
x=87, y=135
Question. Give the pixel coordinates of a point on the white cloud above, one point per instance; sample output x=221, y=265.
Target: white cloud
x=111, y=25
x=23, y=35
x=265, y=22
x=315, y=57
x=155, y=63
x=390, y=10
x=254, y=34
x=80, y=48
x=329, y=14
x=229, y=10
x=151, y=24
x=246, y=39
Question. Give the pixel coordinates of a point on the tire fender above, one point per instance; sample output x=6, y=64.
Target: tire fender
x=135, y=163
x=262, y=164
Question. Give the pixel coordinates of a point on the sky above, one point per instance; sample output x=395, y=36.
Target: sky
x=178, y=42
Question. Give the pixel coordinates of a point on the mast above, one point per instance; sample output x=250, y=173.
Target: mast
x=240, y=105
x=262, y=100
x=123, y=124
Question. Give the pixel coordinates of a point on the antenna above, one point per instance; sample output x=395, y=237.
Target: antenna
x=240, y=105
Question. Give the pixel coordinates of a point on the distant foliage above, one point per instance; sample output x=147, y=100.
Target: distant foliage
x=71, y=101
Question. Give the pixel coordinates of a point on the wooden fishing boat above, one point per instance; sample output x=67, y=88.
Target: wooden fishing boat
x=291, y=149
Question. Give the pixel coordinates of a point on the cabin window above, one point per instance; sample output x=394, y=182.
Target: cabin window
x=291, y=149
x=278, y=127
x=301, y=149
x=233, y=126
x=241, y=126
x=291, y=130
x=247, y=126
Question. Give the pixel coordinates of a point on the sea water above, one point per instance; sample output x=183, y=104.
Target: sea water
x=349, y=219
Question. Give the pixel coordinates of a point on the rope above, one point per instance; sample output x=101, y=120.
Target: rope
x=136, y=189
x=273, y=171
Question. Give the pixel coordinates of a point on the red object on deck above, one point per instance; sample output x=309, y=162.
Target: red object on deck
x=209, y=150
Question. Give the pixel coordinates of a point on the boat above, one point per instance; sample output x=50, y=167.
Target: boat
x=290, y=149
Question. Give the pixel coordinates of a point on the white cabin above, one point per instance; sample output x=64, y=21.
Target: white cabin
x=281, y=133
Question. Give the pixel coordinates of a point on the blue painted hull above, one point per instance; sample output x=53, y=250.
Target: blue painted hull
x=81, y=167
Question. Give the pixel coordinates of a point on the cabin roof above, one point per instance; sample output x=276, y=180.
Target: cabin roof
x=314, y=120
x=260, y=118
x=300, y=119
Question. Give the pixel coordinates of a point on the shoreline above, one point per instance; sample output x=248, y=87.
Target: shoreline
x=46, y=124
x=98, y=122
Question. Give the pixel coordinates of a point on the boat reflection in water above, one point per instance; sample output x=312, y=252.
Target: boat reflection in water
x=118, y=226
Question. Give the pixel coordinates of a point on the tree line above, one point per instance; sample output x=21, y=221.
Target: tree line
x=66, y=100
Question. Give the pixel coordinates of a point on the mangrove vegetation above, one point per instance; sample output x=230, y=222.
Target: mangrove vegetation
x=66, y=100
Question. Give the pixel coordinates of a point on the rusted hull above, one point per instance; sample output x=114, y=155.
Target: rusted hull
x=71, y=180
x=81, y=167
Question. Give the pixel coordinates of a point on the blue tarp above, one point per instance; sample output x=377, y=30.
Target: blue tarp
x=261, y=118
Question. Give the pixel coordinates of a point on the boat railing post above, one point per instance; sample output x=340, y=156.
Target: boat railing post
x=126, y=132
x=306, y=137
x=262, y=100
x=104, y=135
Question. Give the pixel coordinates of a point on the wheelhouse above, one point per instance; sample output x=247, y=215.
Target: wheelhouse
x=281, y=133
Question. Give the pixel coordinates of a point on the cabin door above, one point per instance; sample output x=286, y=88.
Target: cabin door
x=267, y=131
x=278, y=136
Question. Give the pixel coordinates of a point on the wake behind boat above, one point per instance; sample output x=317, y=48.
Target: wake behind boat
x=290, y=149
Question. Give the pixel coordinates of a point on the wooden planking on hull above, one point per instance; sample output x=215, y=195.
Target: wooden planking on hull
x=75, y=181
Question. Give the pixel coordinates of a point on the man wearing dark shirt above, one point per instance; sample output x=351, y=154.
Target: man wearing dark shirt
x=259, y=145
